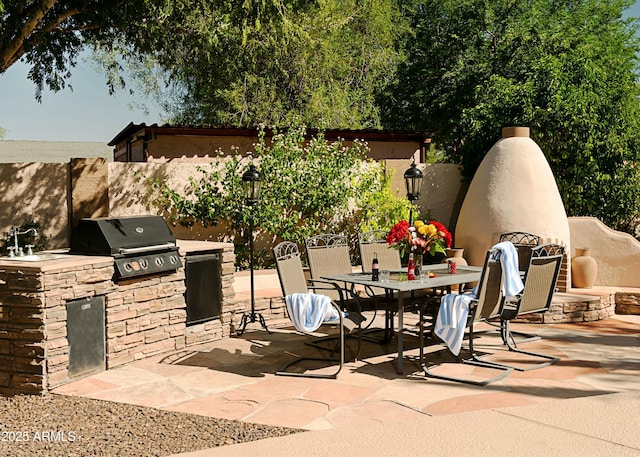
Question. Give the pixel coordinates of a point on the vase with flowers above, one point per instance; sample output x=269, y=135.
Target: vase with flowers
x=422, y=238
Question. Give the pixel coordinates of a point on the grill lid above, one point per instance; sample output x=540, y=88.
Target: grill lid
x=122, y=235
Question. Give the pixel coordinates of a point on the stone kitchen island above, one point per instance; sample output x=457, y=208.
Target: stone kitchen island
x=64, y=316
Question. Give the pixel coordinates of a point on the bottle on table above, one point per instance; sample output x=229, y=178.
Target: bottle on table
x=375, y=268
x=411, y=268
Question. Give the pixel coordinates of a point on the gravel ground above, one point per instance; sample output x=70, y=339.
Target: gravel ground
x=57, y=425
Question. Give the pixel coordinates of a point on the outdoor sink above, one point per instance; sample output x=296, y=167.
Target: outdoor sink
x=36, y=257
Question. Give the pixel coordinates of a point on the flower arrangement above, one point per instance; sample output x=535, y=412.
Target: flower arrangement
x=419, y=238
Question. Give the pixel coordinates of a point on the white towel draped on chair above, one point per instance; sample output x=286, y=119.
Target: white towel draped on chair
x=308, y=311
x=452, y=319
x=454, y=308
x=508, y=256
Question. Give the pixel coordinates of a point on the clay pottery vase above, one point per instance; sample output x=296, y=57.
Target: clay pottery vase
x=455, y=254
x=583, y=269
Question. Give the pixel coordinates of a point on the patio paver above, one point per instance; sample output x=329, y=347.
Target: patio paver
x=233, y=379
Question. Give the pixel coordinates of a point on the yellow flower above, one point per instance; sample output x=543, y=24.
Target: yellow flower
x=432, y=230
x=423, y=229
x=418, y=224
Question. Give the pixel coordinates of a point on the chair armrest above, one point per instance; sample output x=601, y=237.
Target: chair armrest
x=345, y=294
x=510, y=307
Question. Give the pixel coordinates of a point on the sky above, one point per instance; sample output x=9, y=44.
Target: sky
x=88, y=113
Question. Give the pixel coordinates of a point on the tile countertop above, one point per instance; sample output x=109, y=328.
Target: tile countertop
x=61, y=259
x=52, y=260
x=189, y=246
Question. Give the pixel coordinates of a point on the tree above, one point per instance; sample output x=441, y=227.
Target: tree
x=568, y=69
x=276, y=62
x=49, y=34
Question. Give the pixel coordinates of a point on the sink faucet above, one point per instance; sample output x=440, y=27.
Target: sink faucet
x=16, y=249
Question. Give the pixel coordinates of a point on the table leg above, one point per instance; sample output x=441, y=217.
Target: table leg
x=399, y=368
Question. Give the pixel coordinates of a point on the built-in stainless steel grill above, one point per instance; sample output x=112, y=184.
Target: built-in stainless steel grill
x=140, y=245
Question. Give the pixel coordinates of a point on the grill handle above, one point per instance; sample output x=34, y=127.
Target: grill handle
x=159, y=247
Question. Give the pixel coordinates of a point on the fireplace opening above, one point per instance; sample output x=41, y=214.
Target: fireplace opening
x=203, y=294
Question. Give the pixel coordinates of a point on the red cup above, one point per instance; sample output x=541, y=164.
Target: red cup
x=453, y=267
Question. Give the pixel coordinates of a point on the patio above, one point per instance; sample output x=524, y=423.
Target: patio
x=233, y=378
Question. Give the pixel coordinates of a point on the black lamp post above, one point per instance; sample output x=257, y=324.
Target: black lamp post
x=413, y=182
x=251, y=183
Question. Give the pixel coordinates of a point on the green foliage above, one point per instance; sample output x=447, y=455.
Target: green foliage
x=309, y=186
x=48, y=35
x=271, y=61
x=568, y=69
x=38, y=242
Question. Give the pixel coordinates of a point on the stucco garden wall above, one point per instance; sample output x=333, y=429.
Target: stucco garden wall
x=39, y=191
x=616, y=253
x=94, y=187
x=42, y=191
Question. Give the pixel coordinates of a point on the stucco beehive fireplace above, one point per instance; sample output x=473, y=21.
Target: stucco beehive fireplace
x=513, y=190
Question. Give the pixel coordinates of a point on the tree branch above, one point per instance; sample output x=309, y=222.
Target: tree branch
x=14, y=49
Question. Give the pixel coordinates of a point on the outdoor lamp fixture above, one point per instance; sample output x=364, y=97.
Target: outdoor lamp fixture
x=251, y=183
x=413, y=182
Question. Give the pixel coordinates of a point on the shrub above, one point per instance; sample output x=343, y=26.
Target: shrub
x=309, y=186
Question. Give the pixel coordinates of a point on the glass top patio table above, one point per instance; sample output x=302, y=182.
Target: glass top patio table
x=398, y=282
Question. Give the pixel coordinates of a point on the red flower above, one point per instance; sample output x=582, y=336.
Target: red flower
x=446, y=235
x=398, y=233
x=420, y=238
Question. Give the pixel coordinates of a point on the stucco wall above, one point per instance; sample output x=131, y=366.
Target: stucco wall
x=195, y=147
x=42, y=190
x=616, y=253
x=442, y=189
x=36, y=191
x=130, y=193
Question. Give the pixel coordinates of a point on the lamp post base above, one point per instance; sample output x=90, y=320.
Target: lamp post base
x=251, y=318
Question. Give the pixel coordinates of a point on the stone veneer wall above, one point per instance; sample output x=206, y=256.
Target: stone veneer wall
x=627, y=302
x=574, y=308
x=144, y=316
x=34, y=351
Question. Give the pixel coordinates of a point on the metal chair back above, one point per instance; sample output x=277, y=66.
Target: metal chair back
x=489, y=291
x=523, y=242
x=541, y=279
x=289, y=267
x=328, y=254
x=372, y=245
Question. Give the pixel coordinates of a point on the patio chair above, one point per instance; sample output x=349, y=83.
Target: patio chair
x=373, y=244
x=328, y=254
x=488, y=293
x=539, y=286
x=292, y=281
x=523, y=241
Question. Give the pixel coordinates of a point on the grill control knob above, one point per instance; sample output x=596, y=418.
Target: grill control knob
x=173, y=259
x=159, y=261
x=128, y=267
x=144, y=263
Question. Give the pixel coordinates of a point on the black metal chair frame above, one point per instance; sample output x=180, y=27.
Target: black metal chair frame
x=287, y=251
x=523, y=242
x=489, y=290
x=545, y=256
